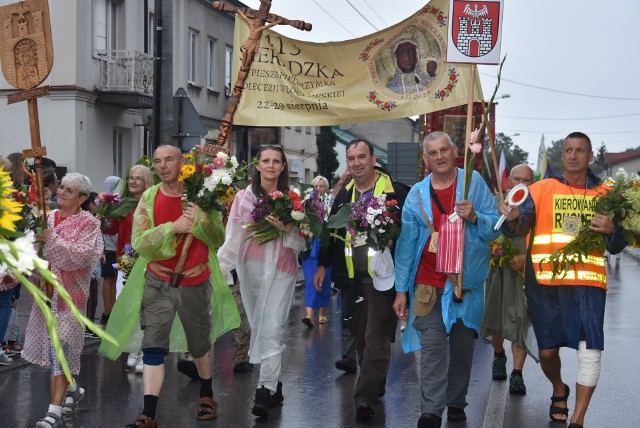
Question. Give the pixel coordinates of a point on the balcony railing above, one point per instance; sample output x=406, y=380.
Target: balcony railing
x=125, y=71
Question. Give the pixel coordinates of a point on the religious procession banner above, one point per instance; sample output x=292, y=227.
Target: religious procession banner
x=398, y=72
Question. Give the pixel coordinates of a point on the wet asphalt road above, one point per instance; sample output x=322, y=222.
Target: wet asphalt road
x=318, y=395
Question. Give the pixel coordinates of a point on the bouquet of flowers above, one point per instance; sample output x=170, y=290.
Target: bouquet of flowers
x=315, y=211
x=106, y=203
x=31, y=214
x=208, y=175
x=209, y=179
x=112, y=206
x=371, y=218
x=289, y=208
x=502, y=251
x=622, y=203
x=125, y=262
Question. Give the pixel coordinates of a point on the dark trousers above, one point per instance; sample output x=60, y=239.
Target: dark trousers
x=240, y=336
x=92, y=301
x=373, y=323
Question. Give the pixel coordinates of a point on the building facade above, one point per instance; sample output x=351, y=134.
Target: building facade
x=97, y=117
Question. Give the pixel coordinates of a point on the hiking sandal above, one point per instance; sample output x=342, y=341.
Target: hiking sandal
x=50, y=420
x=554, y=410
x=207, y=409
x=70, y=403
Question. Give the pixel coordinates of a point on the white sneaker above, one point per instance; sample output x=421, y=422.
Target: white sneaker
x=5, y=360
x=133, y=358
x=140, y=365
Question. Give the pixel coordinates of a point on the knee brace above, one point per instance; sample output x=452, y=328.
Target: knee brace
x=153, y=356
x=588, y=365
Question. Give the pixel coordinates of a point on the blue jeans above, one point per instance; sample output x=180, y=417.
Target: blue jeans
x=5, y=311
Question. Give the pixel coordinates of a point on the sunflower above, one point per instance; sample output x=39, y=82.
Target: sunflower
x=9, y=209
x=186, y=172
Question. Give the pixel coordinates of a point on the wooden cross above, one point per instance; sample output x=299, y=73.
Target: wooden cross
x=258, y=21
x=26, y=54
x=37, y=151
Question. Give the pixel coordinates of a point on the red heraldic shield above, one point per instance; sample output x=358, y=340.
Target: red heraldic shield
x=475, y=27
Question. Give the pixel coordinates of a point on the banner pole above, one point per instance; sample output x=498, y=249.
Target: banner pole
x=457, y=289
x=492, y=144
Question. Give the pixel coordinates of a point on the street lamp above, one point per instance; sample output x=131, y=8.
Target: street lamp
x=502, y=96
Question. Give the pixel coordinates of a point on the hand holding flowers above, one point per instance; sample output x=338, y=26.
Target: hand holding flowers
x=371, y=218
x=209, y=180
x=126, y=261
x=502, y=251
x=277, y=213
x=208, y=175
x=621, y=204
x=112, y=206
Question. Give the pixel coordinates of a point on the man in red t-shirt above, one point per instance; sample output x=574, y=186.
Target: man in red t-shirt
x=161, y=225
x=443, y=328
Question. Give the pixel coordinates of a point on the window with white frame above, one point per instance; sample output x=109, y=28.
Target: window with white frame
x=192, y=57
x=118, y=153
x=151, y=34
x=105, y=24
x=227, y=69
x=211, y=63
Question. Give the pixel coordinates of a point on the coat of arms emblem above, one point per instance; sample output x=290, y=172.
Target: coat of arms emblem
x=25, y=41
x=474, y=29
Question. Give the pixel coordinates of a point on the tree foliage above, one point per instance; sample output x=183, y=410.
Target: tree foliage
x=512, y=152
x=327, y=160
x=601, y=152
x=554, y=155
x=598, y=164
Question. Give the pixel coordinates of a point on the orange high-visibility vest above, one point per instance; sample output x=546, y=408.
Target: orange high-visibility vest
x=554, y=201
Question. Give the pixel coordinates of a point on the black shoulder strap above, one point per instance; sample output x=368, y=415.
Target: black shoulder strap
x=434, y=196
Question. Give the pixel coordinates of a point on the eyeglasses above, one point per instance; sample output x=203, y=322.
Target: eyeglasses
x=131, y=178
x=69, y=190
x=271, y=146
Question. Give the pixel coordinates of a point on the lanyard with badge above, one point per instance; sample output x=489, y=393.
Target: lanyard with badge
x=571, y=224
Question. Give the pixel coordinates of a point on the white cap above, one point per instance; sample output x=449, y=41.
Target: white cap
x=383, y=270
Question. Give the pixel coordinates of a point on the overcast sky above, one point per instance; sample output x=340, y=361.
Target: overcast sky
x=577, y=46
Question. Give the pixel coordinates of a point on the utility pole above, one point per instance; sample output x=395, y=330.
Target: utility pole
x=163, y=75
